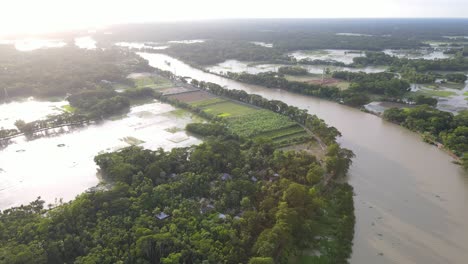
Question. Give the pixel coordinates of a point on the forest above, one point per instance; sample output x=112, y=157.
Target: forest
x=58, y=72
x=227, y=200
x=459, y=63
x=217, y=51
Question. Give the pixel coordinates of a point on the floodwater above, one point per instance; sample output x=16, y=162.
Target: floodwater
x=41, y=167
x=262, y=44
x=28, y=110
x=353, y=35
x=141, y=45
x=410, y=199
x=427, y=54
x=455, y=102
x=85, y=42
x=31, y=44
x=249, y=67
x=187, y=41
x=345, y=56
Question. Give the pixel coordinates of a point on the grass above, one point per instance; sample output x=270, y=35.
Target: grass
x=293, y=139
x=303, y=78
x=437, y=93
x=69, y=108
x=454, y=85
x=432, y=86
x=229, y=109
x=120, y=86
x=208, y=102
x=259, y=122
x=342, y=85
x=155, y=82
x=273, y=134
x=173, y=129
x=179, y=113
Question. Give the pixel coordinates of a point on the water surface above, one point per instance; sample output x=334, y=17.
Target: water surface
x=345, y=56
x=255, y=68
x=44, y=167
x=28, y=110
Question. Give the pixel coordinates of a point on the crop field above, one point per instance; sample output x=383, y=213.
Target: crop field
x=228, y=109
x=155, y=82
x=196, y=96
x=437, y=93
x=252, y=122
x=259, y=122
x=282, y=132
x=208, y=102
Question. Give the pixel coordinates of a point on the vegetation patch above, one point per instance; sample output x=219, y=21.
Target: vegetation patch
x=132, y=141
x=208, y=102
x=261, y=121
x=315, y=52
x=437, y=93
x=69, y=108
x=229, y=108
x=173, y=129
x=152, y=81
x=191, y=96
x=273, y=134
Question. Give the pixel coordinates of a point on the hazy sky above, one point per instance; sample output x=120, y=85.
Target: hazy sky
x=50, y=15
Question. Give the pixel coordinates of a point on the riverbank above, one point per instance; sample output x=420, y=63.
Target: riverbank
x=425, y=138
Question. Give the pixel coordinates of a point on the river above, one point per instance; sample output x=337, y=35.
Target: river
x=410, y=199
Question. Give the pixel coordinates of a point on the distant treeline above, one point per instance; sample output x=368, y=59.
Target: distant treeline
x=57, y=72
x=300, y=33
x=459, y=63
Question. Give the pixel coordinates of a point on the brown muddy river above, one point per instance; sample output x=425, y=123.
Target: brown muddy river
x=410, y=198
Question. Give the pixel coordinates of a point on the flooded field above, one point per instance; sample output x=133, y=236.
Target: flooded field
x=186, y=41
x=68, y=168
x=380, y=107
x=142, y=45
x=449, y=99
x=253, y=68
x=262, y=44
x=345, y=56
x=85, y=42
x=30, y=44
x=28, y=110
x=427, y=54
x=353, y=35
